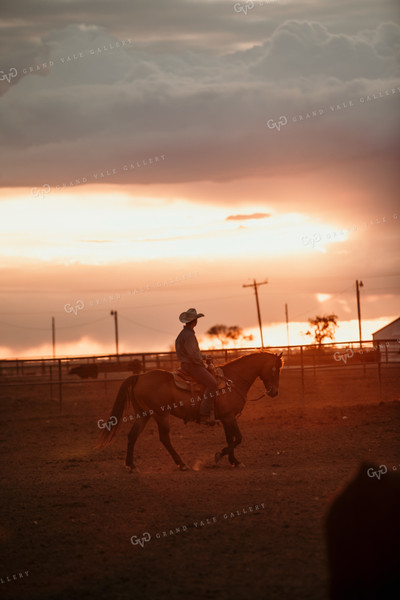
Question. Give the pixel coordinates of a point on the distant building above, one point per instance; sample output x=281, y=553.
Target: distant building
x=388, y=338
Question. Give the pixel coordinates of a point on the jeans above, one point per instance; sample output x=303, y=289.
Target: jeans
x=202, y=375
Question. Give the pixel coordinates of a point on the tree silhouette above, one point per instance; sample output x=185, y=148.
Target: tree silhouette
x=324, y=327
x=224, y=333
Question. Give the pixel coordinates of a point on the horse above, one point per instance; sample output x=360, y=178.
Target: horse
x=362, y=529
x=155, y=395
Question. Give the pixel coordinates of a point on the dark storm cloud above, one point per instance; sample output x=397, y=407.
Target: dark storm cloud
x=182, y=22
x=143, y=79
x=98, y=106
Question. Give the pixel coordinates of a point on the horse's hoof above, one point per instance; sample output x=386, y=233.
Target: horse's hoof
x=238, y=465
x=184, y=468
x=218, y=457
x=131, y=469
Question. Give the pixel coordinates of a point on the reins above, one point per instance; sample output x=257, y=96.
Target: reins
x=244, y=396
x=238, y=390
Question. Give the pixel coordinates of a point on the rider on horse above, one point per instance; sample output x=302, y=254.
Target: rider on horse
x=188, y=353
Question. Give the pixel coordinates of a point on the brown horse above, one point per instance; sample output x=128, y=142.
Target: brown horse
x=154, y=394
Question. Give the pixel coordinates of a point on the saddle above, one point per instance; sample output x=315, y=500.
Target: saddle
x=184, y=381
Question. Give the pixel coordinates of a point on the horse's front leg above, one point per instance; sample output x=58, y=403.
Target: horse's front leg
x=233, y=438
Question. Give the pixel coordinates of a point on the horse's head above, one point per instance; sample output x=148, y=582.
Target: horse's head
x=270, y=373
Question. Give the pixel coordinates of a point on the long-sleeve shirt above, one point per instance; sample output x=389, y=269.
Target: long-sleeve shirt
x=187, y=348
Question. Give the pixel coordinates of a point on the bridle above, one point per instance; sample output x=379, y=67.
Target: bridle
x=267, y=389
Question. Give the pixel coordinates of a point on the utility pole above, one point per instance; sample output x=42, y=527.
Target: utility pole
x=53, y=335
x=255, y=285
x=358, y=285
x=115, y=313
x=287, y=323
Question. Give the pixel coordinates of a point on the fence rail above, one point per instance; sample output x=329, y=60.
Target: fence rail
x=62, y=371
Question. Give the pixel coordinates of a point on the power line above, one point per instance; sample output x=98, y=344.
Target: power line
x=46, y=328
x=255, y=285
x=148, y=326
x=225, y=282
x=83, y=324
x=350, y=288
x=95, y=309
x=23, y=326
x=128, y=307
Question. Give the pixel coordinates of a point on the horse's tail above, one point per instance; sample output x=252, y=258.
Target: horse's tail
x=111, y=427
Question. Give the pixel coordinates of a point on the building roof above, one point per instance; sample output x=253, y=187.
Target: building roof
x=386, y=326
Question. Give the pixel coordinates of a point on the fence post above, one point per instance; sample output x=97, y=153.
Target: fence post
x=51, y=381
x=144, y=363
x=362, y=358
x=319, y=356
x=302, y=372
x=380, y=379
x=60, y=383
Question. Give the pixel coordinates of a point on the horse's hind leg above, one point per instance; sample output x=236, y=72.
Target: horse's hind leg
x=133, y=435
x=163, y=430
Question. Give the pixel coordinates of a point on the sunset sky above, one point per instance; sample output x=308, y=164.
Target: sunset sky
x=157, y=155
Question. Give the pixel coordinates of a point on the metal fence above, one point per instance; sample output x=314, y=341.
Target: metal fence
x=378, y=362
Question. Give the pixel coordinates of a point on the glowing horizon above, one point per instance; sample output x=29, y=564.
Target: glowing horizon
x=64, y=228
x=274, y=336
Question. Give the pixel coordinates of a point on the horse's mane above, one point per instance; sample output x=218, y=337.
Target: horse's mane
x=257, y=352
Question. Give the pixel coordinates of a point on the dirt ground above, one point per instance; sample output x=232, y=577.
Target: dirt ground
x=69, y=511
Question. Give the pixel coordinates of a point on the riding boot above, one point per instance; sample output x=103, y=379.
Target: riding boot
x=208, y=419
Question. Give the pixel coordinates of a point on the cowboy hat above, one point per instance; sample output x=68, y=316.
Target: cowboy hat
x=190, y=315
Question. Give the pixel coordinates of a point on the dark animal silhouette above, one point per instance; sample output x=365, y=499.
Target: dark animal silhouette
x=363, y=537
x=86, y=371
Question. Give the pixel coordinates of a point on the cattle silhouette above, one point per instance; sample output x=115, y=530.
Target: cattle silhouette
x=363, y=536
x=92, y=370
x=85, y=371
